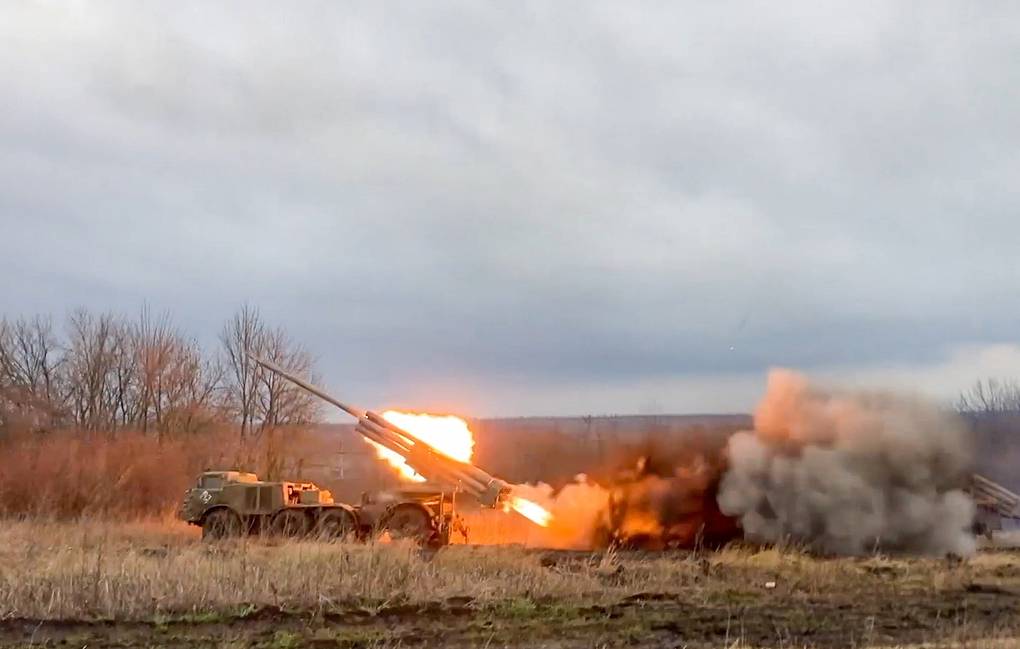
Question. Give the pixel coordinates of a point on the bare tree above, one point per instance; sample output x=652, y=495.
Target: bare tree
x=95, y=364
x=204, y=396
x=279, y=401
x=991, y=396
x=240, y=334
x=122, y=380
x=30, y=361
x=263, y=401
x=175, y=387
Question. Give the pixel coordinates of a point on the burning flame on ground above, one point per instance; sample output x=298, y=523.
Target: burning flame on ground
x=450, y=436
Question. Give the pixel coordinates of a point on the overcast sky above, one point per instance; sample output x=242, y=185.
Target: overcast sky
x=530, y=208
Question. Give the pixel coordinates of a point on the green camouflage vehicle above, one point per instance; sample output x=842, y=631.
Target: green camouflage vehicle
x=229, y=504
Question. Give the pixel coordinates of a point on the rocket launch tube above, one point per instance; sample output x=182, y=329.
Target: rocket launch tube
x=420, y=455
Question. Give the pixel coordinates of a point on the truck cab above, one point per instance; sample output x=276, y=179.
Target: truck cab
x=231, y=503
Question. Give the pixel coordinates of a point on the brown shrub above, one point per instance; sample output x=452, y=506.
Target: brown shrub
x=131, y=475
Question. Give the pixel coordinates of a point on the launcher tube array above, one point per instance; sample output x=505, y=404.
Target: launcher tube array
x=419, y=455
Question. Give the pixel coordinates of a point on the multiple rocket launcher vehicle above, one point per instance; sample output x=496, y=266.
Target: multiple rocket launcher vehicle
x=231, y=503
x=423, y=458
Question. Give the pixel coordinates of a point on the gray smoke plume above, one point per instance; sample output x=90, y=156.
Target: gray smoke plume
x=850, y=472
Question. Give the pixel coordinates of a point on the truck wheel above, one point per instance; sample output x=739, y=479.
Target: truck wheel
x=221, y=524
x=409, y=522
x=290, y=522
x=335, y=524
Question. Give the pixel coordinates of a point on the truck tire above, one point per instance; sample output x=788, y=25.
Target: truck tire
x=220, y=524
x=410, y=522
x=292, y=523
x=335, y=524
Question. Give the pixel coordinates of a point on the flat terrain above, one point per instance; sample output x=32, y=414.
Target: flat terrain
x=141, y=585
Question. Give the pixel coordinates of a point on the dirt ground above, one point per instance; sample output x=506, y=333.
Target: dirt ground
x=61, y=586
x=645, y=620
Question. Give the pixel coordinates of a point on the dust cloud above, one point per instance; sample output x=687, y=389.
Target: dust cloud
x=850, y=472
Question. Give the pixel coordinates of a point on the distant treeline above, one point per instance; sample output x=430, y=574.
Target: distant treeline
x=109, y=372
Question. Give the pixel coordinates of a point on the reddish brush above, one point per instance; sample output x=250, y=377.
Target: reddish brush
x=130, y=475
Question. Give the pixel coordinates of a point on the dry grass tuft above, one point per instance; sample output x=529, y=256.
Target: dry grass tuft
x=140, y=570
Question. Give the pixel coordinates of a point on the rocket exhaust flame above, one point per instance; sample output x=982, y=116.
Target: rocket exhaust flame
x=448, y=435
x=531, y=511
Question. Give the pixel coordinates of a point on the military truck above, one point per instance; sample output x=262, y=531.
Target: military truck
x=994, y=505
x=229, y=504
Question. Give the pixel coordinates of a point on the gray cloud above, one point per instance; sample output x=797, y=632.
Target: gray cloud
x=528, y=195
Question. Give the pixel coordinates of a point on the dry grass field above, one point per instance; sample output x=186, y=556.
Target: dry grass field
x=157, y=584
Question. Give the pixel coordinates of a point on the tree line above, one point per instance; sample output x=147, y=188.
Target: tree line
x=991, y=397
x=106, y=372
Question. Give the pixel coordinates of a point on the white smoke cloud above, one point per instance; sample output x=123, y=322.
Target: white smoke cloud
x=850, y=472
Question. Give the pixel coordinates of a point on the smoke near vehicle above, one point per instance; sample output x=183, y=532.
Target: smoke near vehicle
x=850, y=472
x=835, y=471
